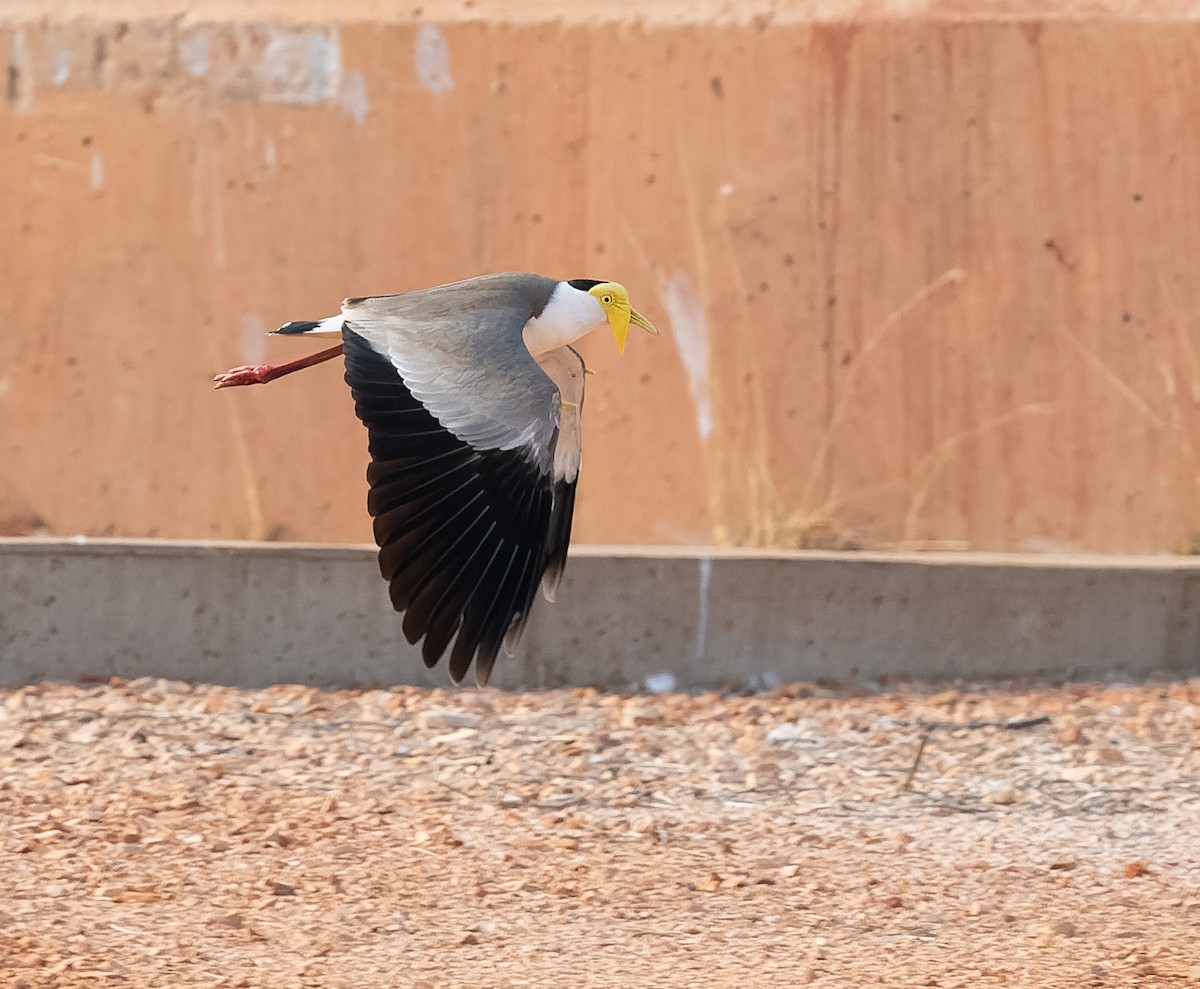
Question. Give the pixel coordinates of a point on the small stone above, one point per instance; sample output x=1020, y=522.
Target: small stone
x=784, y=733
x=214, y=702
x=137, y=896
x=661, y=683
x=441, y=719
x=635, y=715
x=1076, y=774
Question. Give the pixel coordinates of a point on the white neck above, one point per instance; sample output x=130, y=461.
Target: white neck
x=569, y=315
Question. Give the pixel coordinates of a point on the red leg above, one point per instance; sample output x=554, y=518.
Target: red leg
x=260, y=374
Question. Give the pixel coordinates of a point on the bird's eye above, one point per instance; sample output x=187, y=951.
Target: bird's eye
x=607, y=300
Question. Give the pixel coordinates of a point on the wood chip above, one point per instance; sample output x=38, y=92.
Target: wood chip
x=471, y=838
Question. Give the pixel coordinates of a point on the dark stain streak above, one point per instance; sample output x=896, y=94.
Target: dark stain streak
x=1059, y=254
x=718, y=87
x=12, y=88
x=99, y=57
x=833, y=44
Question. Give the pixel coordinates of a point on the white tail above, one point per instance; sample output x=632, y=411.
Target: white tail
x=330, y=326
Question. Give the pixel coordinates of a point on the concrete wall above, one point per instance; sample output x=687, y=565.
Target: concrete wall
x=926, y=270
x=251, y=614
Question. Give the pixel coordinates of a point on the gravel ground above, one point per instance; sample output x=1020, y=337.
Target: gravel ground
x=158, y=834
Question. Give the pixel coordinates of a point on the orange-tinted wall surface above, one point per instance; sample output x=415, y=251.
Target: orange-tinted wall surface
x=924, y=278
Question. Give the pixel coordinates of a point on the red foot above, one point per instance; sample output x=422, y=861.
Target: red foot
x=260, y=374
x=249, y=374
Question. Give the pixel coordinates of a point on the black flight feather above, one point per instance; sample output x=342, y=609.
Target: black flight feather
x=464, y=535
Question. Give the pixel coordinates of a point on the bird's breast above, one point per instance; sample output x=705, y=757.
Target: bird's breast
x=542, y=335
x=569, y=315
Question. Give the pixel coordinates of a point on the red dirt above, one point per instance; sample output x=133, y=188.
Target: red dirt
x=157, y=834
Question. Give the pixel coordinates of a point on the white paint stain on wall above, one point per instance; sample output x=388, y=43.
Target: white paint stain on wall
x=253, y=339
x=702, y=609
x=96, y=170
x=194, y=52
x=432, y=58
x=60, y=70
x=303, y=67
x=353, y=96
x=689, y=330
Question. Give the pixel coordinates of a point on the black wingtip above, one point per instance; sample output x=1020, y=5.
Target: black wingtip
x=296, y=326
x=462, y=533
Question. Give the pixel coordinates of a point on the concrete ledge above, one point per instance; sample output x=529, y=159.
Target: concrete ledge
x=251, y=614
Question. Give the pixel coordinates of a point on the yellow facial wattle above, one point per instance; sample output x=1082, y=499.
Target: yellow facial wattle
x=614, y=299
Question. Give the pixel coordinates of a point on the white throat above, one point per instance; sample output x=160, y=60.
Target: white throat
x=569, y=315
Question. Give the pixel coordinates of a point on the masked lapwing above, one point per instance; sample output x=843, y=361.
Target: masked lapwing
x=471, y=394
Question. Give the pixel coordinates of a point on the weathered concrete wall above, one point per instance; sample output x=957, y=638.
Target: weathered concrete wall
x=926, y=277
x=251, y=614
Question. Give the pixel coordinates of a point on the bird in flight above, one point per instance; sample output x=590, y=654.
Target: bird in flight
x=471, y=394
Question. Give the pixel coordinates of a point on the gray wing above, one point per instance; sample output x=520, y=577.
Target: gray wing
x=460, y=351
x=464, y=477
